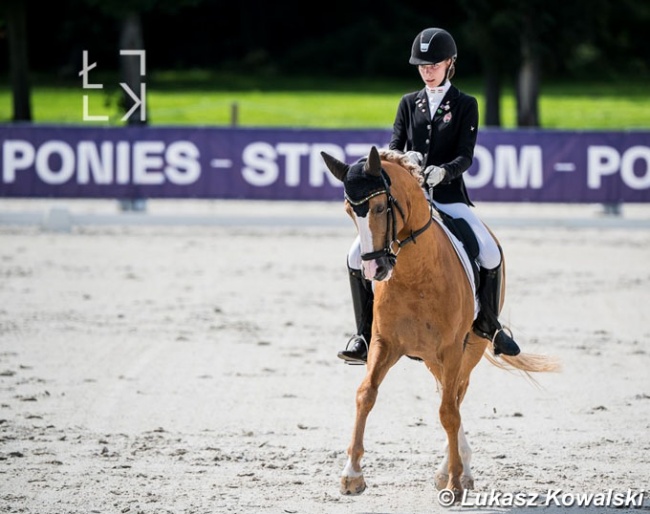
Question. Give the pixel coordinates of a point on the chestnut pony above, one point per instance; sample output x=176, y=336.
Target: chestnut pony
x=424, y=304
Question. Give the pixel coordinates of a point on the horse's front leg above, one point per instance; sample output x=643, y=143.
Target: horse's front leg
x=442, y=473
x=352, y=481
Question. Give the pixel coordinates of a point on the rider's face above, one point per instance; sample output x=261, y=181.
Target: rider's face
x=434, y=75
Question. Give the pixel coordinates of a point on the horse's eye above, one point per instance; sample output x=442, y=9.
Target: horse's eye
x=379, y=209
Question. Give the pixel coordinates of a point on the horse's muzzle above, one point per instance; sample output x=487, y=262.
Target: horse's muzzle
x=378, y=269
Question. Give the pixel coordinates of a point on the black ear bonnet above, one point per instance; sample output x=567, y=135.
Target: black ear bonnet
x=360, y=186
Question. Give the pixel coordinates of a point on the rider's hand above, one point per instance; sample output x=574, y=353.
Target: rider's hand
x=433, y=175
x=414, y=157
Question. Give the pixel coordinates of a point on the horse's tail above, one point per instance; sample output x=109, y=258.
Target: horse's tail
x=525, y=362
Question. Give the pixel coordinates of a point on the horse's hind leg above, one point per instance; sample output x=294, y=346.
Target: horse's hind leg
x=352, y=480
x=474, y=348
x=451, y=422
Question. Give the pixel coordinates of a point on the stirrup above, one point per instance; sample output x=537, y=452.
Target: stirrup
x=507, y=332
x=352, y=357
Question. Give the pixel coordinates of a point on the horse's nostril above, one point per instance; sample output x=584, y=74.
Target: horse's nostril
x=381, y=272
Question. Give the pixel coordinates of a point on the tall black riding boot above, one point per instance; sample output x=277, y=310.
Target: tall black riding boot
x=356, y=351
x=487, y=322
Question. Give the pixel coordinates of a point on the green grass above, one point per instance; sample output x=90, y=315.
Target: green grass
x=201, y=98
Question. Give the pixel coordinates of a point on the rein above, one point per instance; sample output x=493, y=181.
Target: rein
x=391, y=234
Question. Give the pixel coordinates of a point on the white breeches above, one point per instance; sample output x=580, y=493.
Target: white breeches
x=489, y=256
x=354, y=254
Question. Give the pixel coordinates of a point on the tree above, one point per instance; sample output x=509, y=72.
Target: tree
x=131, y=68
x=528, y=76
x=15, y=12
x=488, y=21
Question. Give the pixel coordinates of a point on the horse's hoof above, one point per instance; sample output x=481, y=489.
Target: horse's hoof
x=352, y=486
x=467, y=482
x=441, y=480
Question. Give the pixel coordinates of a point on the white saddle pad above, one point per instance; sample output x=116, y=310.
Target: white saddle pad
x=464, y=259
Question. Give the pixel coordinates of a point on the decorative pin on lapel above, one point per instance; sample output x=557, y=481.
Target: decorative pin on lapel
x=447, y=118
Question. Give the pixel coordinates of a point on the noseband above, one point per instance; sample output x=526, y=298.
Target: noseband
x=393, y=245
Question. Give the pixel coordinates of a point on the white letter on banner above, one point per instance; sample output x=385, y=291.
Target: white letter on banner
x=317, y=167
x=601, y=160
x=66, y=170
x=261, y=168
x=88, y=162
x=16, y=155
x=627, y=167
x=485, y=166
x=183, y=166
x=123, y=155
x=147, y=162
x=292, y=153
x=510, y=173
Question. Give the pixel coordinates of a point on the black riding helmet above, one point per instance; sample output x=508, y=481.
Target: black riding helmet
x=431, y=46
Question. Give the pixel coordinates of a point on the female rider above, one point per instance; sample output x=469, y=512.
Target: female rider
x=437, y=126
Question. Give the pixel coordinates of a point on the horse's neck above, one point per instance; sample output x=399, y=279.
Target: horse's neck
x=428, y=249
x=418, y=218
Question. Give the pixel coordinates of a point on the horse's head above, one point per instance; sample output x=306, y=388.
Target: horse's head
x=374, y=209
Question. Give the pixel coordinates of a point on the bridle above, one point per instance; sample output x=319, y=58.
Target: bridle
x=393, y=245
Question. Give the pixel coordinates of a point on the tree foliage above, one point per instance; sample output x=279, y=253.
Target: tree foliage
x=511, y=42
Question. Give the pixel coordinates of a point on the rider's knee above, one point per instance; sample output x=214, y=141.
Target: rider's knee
x=489, y=255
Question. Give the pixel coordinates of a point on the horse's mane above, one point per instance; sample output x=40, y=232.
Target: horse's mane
x=399, y=158
x=409, y=166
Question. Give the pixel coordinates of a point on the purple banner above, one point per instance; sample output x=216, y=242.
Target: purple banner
x=285, y=164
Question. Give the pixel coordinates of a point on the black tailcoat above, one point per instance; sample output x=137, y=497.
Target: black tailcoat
x=447, y=140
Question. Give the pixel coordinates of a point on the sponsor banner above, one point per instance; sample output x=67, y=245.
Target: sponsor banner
x=285, y=164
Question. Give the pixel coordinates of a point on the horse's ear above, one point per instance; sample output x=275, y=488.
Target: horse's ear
x=339, y=169
x=373, y=164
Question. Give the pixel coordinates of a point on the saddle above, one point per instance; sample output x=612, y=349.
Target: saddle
x=464, y=233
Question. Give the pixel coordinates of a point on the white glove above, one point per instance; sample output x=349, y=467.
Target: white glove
x=414, y=157
x=433, y=175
